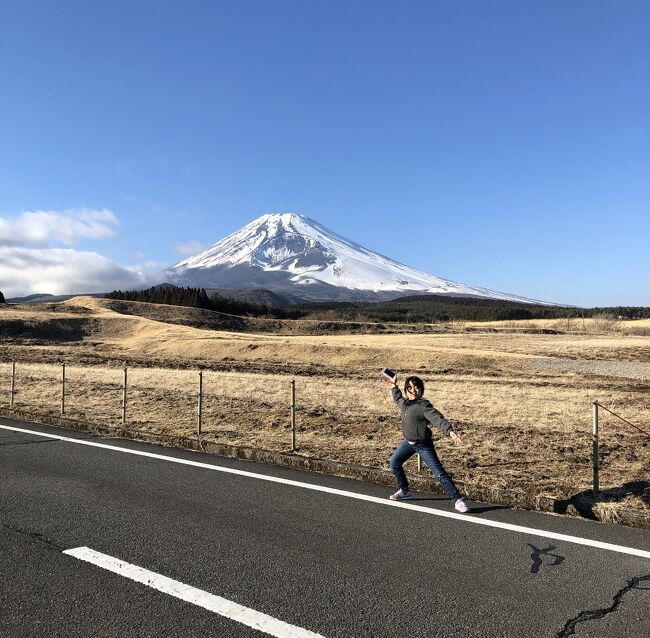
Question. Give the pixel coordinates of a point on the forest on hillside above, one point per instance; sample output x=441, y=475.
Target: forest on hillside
x=198, y=298
x=411, y=309
x=440, y=308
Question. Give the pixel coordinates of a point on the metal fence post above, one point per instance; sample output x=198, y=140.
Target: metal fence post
x=293, y=415
x=13, y=383
x=124, y=397
x=595, y=459
x=199, y=407
x=62, y=389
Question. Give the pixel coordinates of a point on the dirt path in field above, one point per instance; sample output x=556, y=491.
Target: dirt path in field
x=622, y=369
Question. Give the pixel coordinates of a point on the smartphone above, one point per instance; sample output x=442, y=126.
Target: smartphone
x=389, y=374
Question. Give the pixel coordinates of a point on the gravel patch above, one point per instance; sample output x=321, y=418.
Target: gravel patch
x=623, y=369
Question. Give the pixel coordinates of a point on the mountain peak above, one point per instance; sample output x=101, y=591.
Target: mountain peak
x=286, y=250
x=280, y=218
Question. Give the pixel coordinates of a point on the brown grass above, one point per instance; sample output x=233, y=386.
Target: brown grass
x=524, y=427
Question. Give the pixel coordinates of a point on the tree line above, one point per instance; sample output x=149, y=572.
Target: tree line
x=439, y=308
x=198, y=298
x=411, y=309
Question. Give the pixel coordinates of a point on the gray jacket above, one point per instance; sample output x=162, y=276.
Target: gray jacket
x=416, y=417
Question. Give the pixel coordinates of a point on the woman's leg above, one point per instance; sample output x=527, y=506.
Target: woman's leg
x=430, y=457
x=402, y=454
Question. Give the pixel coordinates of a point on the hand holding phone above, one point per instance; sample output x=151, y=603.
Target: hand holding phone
x=389, y=374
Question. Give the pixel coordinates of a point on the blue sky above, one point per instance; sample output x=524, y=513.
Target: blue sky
x=499, y=144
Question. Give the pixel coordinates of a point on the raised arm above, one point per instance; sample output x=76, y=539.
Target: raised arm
x=397, y=395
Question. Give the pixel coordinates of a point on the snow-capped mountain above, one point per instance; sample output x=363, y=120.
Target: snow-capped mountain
x=293, y=253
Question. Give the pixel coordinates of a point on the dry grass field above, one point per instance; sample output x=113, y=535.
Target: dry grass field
x=519, y=393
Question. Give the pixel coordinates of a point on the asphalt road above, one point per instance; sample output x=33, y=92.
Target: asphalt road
x=325, y=562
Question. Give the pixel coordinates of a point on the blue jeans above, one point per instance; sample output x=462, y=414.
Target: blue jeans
x=406, y=450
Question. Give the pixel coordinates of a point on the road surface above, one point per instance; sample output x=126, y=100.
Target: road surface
x=106, y=537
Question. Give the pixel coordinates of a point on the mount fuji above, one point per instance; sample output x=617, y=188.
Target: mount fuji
x=293, y=254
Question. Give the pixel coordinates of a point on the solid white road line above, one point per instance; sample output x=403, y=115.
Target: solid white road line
x=621, y=549
x=216, y=604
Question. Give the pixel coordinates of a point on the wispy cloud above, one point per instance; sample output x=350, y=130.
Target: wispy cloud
x=60, y=271
x=187, y=249
x=148, y=273
x=142, y=203
x=32, y=261
x=41, y=228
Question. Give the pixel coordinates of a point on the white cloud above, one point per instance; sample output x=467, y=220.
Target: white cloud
x=30, y=261
x=59, y=271
x=149, y=272
x=188, y=249
x=41, y=228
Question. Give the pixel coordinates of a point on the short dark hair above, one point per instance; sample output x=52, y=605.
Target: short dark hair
x=416, y=381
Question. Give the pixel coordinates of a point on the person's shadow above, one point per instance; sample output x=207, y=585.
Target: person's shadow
x=472, y=508
x=585, y=501
x=486, y=508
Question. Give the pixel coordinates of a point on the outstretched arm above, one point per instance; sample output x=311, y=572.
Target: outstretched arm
x=435, y=418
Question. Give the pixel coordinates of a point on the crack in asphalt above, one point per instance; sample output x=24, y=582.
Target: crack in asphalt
x=596, y=614
x=37, y=536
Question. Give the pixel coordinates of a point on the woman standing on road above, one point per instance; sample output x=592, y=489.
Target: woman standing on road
x=417, y=414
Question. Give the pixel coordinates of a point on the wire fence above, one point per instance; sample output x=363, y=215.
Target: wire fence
x=226, y=405
x=595, y=457
x=325, y=417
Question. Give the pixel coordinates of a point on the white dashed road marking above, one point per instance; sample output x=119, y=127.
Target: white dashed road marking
x=217, y=604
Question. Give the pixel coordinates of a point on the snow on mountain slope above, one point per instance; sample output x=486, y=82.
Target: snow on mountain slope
x=307, y=253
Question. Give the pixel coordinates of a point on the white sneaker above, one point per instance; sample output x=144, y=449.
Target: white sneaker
x=401, y=495
x=460, y=505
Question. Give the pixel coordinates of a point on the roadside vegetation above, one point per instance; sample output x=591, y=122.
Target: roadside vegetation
x=519, y=391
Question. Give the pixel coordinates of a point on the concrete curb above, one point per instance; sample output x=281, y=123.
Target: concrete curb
x=580, y=506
